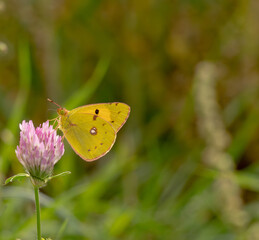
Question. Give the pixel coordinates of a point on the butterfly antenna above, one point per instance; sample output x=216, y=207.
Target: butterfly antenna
x=53, y=102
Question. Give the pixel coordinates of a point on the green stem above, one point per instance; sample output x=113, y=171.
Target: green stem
x=37, y=205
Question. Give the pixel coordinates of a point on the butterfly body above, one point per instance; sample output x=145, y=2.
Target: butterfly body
x=91, y=129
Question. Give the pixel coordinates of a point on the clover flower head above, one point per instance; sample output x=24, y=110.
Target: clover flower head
x=39, y=150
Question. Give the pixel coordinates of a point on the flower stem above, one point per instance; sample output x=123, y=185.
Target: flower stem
x=37, y=205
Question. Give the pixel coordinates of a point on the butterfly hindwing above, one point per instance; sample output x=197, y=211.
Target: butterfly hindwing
x=89, y=135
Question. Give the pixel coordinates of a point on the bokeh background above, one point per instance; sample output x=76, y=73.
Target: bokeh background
x=185, y=165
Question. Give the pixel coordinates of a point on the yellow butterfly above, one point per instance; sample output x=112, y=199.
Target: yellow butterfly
x=91, y=129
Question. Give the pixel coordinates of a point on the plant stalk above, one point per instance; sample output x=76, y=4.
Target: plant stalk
x=37, y=205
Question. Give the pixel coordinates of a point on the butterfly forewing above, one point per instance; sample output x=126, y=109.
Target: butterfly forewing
x=115, y=113
x=89, y=135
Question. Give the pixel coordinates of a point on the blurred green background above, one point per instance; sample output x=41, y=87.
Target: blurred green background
x=185, y=165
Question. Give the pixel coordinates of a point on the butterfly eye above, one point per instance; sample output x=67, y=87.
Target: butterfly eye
x=96, y=111
x=61, y=111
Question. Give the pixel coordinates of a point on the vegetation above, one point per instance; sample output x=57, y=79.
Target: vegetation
x=185, y=165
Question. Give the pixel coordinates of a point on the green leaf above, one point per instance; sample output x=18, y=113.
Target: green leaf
x=84, y=93
x=16, y=177
x=58, y=175
x=248, y=181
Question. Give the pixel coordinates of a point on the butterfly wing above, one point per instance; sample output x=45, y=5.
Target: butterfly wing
x=91, y=137
x=115, y=113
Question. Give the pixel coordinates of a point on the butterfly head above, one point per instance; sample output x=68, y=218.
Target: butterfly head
x=62, y=111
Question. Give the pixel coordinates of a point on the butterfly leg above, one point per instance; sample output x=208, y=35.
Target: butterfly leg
x=53, y=119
